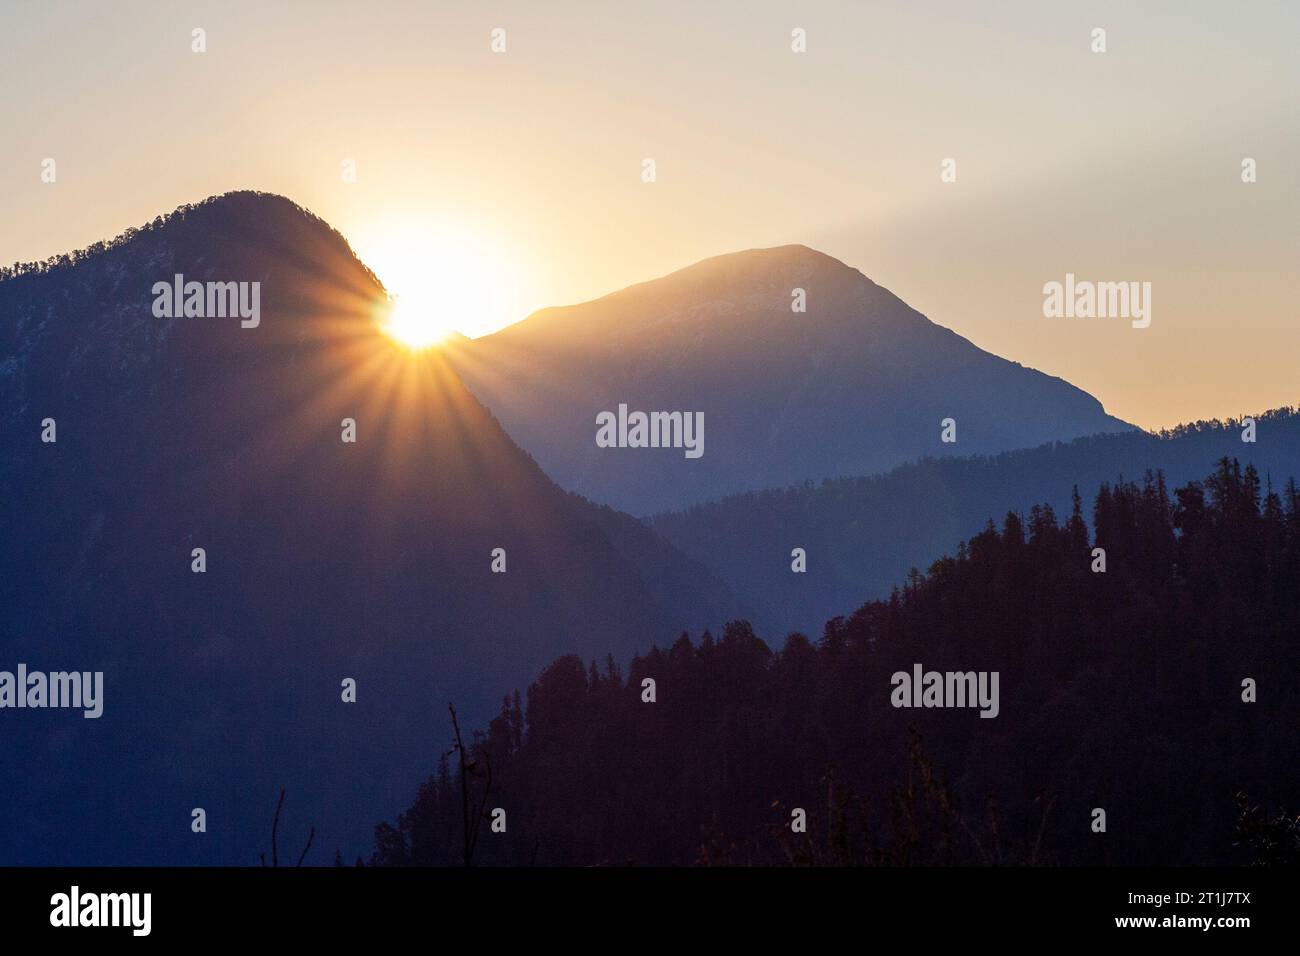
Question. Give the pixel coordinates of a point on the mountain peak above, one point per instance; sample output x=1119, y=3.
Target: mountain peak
x=749, y=270
x=343, y=488
x=743, y=286
x=274, y=225
x=804, y=368
x=791, y=254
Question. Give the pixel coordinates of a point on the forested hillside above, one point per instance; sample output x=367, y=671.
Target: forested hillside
x=863, y=534
x=1120, y=690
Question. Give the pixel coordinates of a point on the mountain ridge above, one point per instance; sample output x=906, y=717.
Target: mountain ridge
x=858, y=383
x=323, y=559
x=864, y=533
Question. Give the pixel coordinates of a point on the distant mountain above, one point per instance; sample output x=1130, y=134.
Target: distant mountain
x=863, y=535
x=325, y=560
x=857, y=384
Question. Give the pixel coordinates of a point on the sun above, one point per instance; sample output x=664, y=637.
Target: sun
x=416, y=320
x=441, y=280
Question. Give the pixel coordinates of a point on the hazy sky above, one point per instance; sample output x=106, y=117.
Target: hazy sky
x=498, y=183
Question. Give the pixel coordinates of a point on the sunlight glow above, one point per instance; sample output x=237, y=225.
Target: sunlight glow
x=442, y=280
x=416, y=320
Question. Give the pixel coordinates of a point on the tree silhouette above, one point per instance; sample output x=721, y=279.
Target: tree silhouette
x=1121, y=690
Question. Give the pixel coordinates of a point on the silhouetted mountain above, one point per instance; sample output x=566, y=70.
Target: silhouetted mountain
x=1124, y=690
x=857, y=384
x=325, y=560
x=863, y=535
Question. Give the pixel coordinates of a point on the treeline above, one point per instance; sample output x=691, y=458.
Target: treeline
x=180, y=214
x=1162, y=691
x=863, y=534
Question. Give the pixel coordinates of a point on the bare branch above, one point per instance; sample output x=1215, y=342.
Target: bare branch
x=275, y=825
x=487, y=792
x=1041, y=827
x=464, y=789
x=310, y=836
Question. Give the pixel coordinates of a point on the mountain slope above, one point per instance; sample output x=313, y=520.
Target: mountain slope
x=857, y=384
x=325, y=560
x=863, y=535
x=1121, y=690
